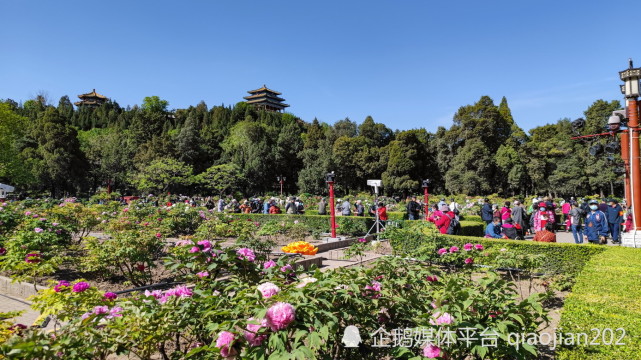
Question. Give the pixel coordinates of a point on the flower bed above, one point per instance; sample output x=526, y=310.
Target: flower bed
x=565, y=259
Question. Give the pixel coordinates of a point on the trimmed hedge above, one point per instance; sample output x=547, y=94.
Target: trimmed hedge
x=475, y=218
x=392, y=215
x=472, y=228
x=605, y=295
x=347, y=225
x=566, y=259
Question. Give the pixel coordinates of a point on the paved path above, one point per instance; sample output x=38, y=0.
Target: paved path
x=11, y=303
x=566, y=237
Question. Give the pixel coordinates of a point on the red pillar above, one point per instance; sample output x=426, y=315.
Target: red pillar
x=635, y=163
x=332, y=208
x=625, y=155
x=426, y=197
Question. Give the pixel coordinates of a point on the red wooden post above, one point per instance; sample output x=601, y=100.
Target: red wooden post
x=332, y=208
x=426, y=197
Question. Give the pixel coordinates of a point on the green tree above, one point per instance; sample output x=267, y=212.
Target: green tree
x=163, y=175
x=13, y=128
x=154, y=104
x=222, y=179
x=59, y=163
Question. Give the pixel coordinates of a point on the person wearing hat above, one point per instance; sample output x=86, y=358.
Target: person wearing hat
x=615, y=218
x=596, y=224
x=542, y=217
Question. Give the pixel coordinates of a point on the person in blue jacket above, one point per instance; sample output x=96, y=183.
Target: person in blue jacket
x=486, y=212
x=615, y=218
x=493, y=229
x=596, y=224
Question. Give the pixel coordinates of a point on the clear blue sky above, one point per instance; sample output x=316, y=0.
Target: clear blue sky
x=408, y=64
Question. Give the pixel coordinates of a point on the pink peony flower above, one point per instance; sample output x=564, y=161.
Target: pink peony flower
x=246, y=254
x=179, y=291
x=206, y=244
x=445, y=319
x=125, y=209
x=38, y=230
x=468, y=247
x=287, y=268
x=27, y=213
x=469, y=261
x=110, y=296
x=280, y=315
x=156, y=293
x=375, y=286
x=85, y=315
x=269, y=264
x=3, y=251
x=43, y=219
x=80, y=287
x=55, y=224
x=431, y=351
x=268, y=289
x=115, y=312
x=431, y=278
x=202, y=274
x=158, y=235
x=224, y=341
x=32, y=258
x=100, y=310
x=454, y=249
x=251, y=333
x=362, y=240
x=183, y=242
x=194, y=249
x=442, y=251
x=502, y=250
x=60, y=285
x=478, y=247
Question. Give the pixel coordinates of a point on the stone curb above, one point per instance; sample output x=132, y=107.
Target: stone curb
x=18, y=289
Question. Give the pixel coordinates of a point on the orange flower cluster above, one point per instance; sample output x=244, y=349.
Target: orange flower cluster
x=300, y=247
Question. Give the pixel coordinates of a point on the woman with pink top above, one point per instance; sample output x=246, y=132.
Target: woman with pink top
x=506, y=212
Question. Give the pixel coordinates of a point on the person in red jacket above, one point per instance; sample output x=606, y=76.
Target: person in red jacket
x=382, y=212
x=442, y=222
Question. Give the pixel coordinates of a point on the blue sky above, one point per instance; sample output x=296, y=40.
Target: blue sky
x=408, y=64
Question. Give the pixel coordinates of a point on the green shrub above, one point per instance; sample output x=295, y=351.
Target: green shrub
x=423, y=242
x=474, y=218
x=606, y=295
x=472, y=228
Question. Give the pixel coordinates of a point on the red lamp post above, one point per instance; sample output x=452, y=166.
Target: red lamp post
x=426, y=197
x=281, y=180
x=630, y=89
x=329, y=178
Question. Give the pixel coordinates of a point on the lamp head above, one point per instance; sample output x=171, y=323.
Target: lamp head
x=329, y=177
x=426, y=183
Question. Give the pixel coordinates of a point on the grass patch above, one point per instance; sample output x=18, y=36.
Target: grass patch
x=606, y=295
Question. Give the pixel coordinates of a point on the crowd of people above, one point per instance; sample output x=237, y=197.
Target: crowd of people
x=589, y=220
x=592, y=220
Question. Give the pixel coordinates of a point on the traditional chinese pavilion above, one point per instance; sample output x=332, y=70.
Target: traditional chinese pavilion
x=266, y=99
x=91, y=99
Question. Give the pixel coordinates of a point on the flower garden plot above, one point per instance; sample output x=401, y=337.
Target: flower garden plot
x=234, y=280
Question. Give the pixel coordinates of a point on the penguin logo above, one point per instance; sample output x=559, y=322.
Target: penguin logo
x=351, y=337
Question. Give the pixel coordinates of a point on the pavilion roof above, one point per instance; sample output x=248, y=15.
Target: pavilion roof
x=264, y=89
x=92, y=94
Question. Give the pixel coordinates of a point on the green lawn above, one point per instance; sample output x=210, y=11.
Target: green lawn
x=606, y=295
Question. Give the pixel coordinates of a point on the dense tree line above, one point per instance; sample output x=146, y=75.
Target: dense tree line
x=202, y=150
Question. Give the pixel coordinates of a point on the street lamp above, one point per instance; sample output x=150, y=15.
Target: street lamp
x=630, y=89
x=281, y=179
x=426, y=196
x=329, y=178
